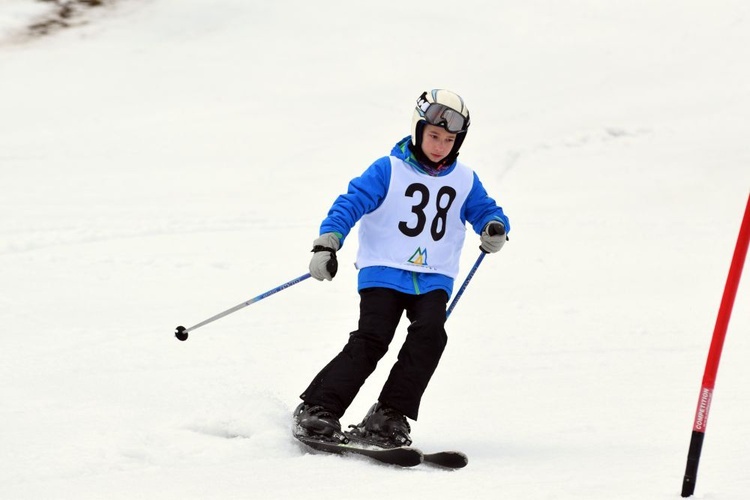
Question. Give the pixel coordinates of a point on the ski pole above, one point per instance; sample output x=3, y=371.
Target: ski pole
x=182, y=333
x=465, y=284
x=472, y=271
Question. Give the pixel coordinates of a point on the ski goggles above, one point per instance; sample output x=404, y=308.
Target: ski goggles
x=441, y=115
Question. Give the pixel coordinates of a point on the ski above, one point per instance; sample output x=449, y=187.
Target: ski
x=446, y=459
x=401, y=456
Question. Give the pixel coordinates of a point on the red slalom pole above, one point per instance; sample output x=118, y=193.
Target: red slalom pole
x=714, y=355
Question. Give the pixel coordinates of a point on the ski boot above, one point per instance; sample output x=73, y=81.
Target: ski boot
x=315, y=421
x=383, y=426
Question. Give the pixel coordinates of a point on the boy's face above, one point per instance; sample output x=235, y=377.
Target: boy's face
x=437, y=142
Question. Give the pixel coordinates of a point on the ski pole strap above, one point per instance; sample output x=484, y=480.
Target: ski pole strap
x=321, y=248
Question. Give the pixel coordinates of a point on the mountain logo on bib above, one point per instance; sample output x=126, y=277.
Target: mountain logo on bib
x=419, y=257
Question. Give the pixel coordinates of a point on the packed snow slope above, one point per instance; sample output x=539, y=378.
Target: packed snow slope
x=170, y=159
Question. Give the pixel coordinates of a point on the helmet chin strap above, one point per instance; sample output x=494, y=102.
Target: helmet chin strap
x=431, y=165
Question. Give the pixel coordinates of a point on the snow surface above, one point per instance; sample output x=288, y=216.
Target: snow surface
x=173, y=158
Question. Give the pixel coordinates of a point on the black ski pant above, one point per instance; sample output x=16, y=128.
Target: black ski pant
x=380, y=312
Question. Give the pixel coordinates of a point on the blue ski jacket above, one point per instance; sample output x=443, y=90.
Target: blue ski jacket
x=367, y=192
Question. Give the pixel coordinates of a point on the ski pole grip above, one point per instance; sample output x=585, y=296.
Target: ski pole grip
x=332, y=266
x=493, y=230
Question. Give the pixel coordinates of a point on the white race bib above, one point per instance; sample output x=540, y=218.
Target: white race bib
x=418, y=226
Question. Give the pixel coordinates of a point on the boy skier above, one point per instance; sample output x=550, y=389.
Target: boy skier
x=412, y=208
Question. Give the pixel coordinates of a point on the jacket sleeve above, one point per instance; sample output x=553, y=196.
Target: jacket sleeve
x=364, y=194
x=480, y=209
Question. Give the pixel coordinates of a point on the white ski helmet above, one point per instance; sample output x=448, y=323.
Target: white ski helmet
x=441, y=108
